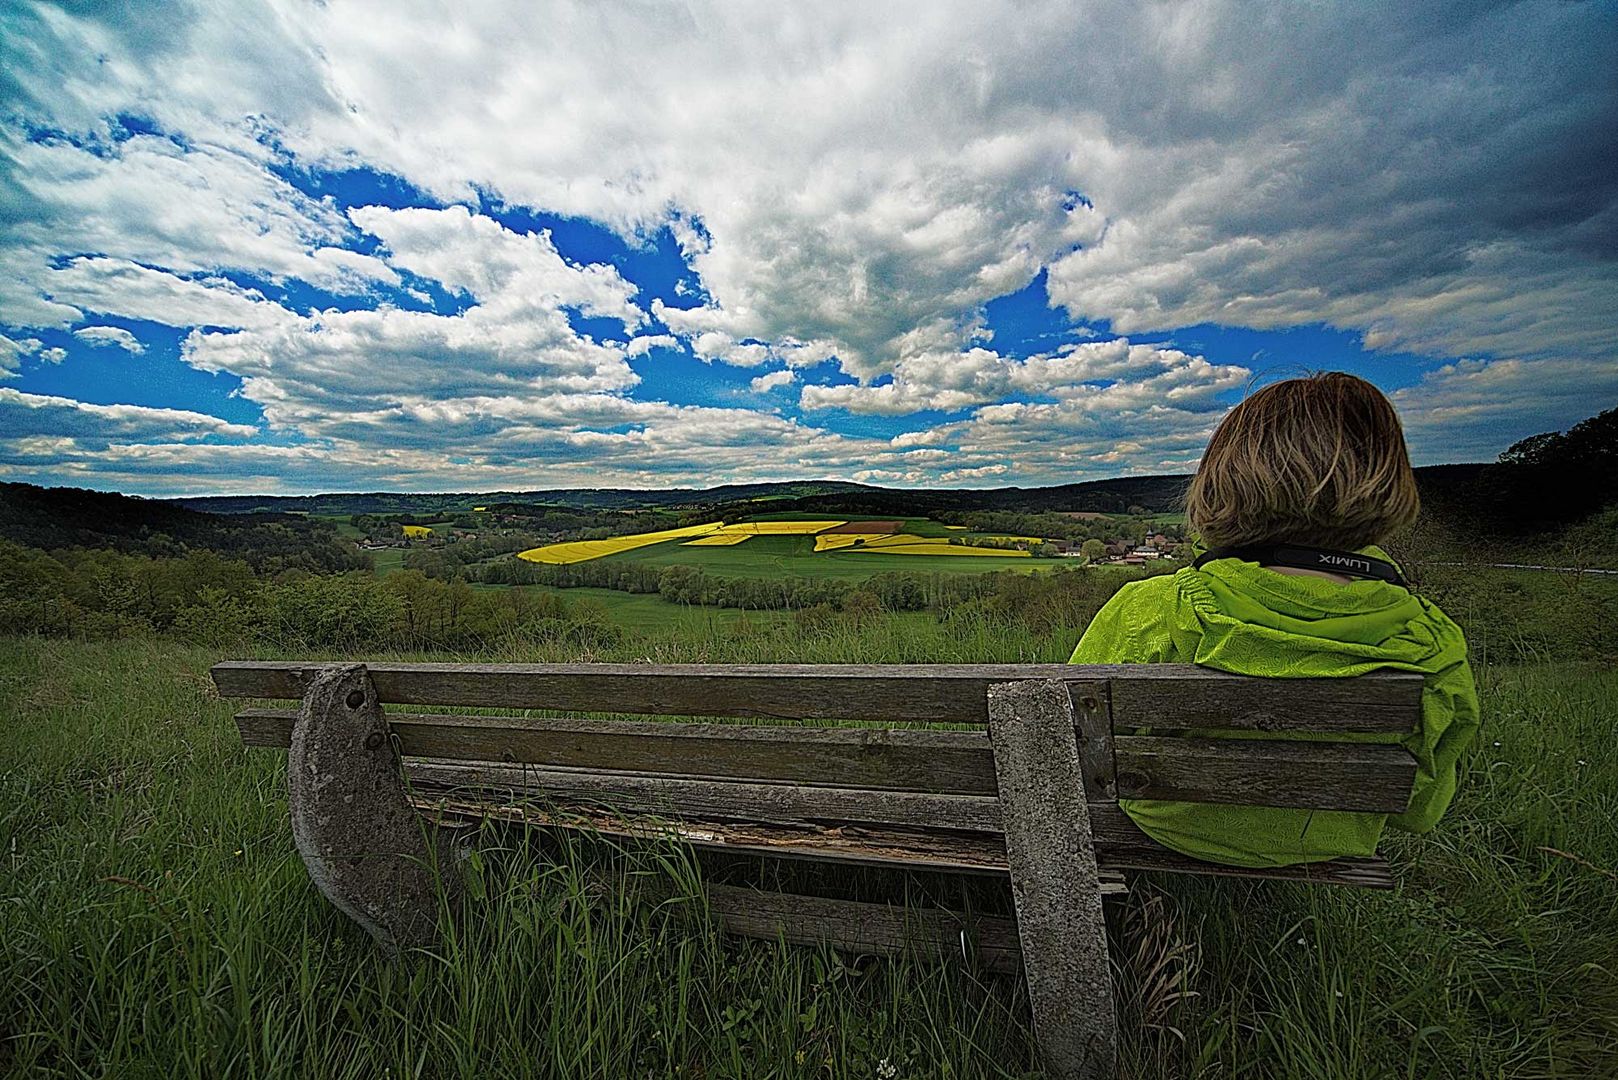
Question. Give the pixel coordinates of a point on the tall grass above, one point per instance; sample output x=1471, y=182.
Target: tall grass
x=156, y=921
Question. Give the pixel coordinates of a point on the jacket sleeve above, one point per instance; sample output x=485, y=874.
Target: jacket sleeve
x=1449, y=723
x=1134, y=627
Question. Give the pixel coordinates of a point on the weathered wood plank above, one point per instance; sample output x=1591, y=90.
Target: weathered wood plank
x=1054, y=879
x=886, y=846
x=1092, y=714
x=736, y=800
x=864, y=928
x=942, y=762
x=924, y=693
x=1142, y=695
x=1247, y=772
x=1307, y=775
x=1120, y=846
x=1154, y=696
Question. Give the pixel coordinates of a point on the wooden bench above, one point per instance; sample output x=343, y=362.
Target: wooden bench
x=1025, y=786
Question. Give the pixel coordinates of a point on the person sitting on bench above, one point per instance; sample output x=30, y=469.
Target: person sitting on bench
x=1297, y=486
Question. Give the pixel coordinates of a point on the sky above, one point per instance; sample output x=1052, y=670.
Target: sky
x=289, y=247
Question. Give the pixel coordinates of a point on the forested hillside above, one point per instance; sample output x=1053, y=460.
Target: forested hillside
x=1121, y=495
x=58, y=518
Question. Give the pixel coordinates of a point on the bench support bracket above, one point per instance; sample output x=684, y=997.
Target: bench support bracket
x=1054, y=880
x=367, y=848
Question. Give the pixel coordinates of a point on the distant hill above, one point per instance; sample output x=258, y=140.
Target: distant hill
x=388, y=502
x=54, y=518
x=1155, y=494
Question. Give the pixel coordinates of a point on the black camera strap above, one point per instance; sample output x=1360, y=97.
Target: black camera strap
x=1351, y=563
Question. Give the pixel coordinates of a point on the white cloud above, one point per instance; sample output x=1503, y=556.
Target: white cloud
x=1472, y=409
x=111, y=335
x=1114, y=371
x=12, y=352
x=773, y=381
x=475, y=255
x=119, y=287
x=976, y=473
x=849, y=184
x=854, y=188
x=25, y=415
x=194, y=208
x=645, y=343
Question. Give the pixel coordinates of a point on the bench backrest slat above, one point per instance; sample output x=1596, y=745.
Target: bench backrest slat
x=1168, y=696
x=1308, y=775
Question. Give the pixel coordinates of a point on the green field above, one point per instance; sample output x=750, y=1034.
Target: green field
x=643, y=611
x=157, y=921
x=341, y=523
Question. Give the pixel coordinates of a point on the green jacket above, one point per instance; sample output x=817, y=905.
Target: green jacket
x=1240, y=617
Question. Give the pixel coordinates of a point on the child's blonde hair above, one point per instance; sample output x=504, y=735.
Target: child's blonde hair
x=1319, y=461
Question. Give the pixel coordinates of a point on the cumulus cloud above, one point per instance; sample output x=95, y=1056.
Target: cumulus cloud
x=1239, y=165
x=475, y=255
x=1115, y=372
x=1472, y=409
x=645, y=343
x=849, y=185
x=27, y=415
x=773, y=381
x=12, y=352
x=111, y=335
x=119, y=287
x=190, y=208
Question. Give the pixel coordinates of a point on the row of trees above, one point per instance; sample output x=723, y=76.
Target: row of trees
x=1133, y=529
x=205, y=598
x=893, y=591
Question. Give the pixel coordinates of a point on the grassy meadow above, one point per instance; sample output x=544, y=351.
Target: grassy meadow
x=157, y=921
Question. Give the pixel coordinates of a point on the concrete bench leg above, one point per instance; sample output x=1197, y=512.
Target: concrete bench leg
x=366, y=847
x=1053, y=877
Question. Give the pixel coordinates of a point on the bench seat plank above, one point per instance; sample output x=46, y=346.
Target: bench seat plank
x=863, y=928
x=711, y=818
x=1141, y=695
x=1307, y=775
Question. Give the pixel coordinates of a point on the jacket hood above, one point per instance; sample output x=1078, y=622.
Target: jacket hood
x=1242, y=605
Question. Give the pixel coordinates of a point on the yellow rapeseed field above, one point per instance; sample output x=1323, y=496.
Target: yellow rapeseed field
x=717, y=534
x=911, y=544
x=936, y=548
x=780, y=528
x=887, y=540
x=574, y=551
x=742, y=530
x=833, y=541
x=714, y=532
x=416, y=532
